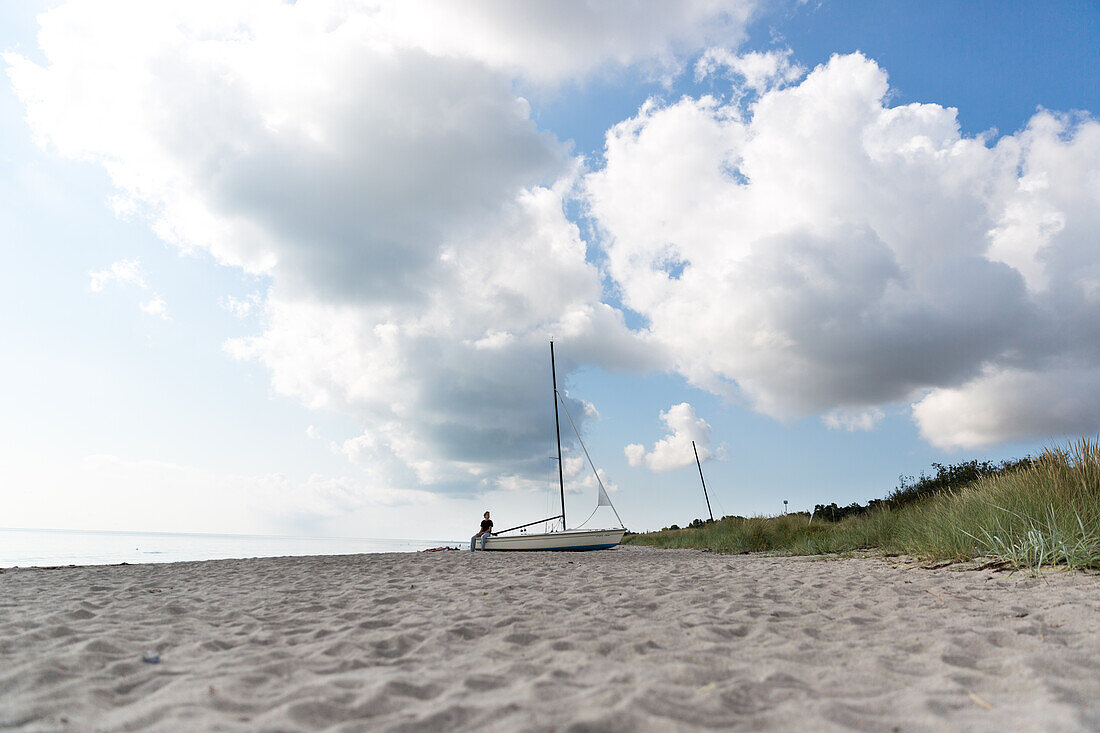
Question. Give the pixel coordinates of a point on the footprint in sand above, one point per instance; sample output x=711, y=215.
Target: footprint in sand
x=317, y=714
x=450, y=718
x=377, y=623
x=958, y=660
x=484, y=682
x=397, y=647
x=467, y=632
x=522, y=638
x=400, y=688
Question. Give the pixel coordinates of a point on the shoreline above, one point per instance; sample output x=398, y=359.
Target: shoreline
x=59, y=548
x=628, y=639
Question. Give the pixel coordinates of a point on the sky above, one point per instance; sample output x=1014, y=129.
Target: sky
x=293, y=269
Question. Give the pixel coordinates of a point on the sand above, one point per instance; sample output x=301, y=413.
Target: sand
x=626, y=640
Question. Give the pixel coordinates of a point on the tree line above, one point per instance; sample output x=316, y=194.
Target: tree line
x=916, y=488
x=943, y=478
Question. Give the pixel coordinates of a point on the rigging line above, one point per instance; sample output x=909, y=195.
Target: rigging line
x=718, y=501
x=590, y=463
x=590, y=516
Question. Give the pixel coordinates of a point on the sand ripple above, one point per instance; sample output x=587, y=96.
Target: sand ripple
x=628, y=640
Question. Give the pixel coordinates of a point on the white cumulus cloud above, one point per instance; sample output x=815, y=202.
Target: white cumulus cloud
x=675, y=449
x=547, y=42
x=992, y=408
x=823, y=252
x=156, y=307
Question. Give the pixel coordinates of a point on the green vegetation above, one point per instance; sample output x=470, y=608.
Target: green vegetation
x=911, y=489
x=1031, y=513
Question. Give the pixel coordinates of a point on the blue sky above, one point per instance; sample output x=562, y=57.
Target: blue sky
x=119, y=418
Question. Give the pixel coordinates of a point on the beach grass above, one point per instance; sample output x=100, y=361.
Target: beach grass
x=1040, y=513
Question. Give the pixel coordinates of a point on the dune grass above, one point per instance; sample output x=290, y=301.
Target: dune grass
x=1043, y=513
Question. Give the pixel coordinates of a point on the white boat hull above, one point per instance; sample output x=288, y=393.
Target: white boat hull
x=594, y=539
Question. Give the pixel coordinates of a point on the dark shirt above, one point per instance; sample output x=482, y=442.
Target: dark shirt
x=486, y=526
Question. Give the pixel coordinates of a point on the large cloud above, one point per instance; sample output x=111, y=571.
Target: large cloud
x=818, y=250
x=548, y=41
x=375, y=162
x=457, y=385
x=285, y=140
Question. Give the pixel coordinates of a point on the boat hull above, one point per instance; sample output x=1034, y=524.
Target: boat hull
x=574, y=541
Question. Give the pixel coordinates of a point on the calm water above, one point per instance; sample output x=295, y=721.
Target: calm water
x=45, y=547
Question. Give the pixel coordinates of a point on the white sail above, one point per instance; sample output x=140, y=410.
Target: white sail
x=604, y=499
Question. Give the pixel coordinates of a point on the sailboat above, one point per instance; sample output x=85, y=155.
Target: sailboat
x=564, y=539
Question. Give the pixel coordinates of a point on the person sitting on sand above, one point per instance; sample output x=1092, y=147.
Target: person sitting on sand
x=484, y=533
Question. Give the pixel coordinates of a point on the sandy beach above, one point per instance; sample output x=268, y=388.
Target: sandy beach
x=630, y=639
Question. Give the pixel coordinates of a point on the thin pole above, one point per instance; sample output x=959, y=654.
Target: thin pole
x=700, y=465
x=557, y=432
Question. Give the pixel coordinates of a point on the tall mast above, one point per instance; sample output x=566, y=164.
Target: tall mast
x=557, y=432
x=700, y=465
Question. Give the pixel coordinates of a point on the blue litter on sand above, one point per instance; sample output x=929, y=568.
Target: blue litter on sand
x=150, y=657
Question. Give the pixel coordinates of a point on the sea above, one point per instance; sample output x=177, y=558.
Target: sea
x=59, y=547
